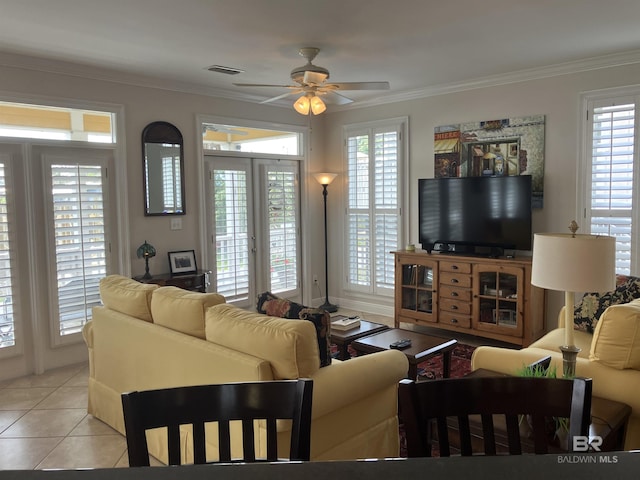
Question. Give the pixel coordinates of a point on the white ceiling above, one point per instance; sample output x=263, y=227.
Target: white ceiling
x=420, y=46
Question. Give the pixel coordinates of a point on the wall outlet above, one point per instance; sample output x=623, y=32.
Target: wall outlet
x=315, y=279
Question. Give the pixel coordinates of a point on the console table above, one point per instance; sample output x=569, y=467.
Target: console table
x=197, y=282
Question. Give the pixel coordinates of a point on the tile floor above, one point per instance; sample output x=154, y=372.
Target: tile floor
x=44, y=422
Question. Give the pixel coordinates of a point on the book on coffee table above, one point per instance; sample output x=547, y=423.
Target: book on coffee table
x=345, y=323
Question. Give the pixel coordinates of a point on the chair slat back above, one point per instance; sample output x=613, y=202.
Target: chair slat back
x=198, y=405
x=490, y=398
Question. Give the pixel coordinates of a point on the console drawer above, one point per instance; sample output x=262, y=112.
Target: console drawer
x=455, y=293
x=459, y=320
x=459, y=267
x=455, y=306
x=455, y=279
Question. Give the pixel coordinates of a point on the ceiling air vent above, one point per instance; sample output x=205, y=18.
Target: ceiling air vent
x=225, y=70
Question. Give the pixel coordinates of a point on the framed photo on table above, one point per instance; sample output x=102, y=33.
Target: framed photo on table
x=183, y=261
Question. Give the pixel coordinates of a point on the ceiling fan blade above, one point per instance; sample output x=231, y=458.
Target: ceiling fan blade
x=360, y=85
x=336, y=98
x=284, y=95
x=314, y=78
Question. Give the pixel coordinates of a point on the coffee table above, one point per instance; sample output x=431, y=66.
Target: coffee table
x=343, y=338
x=422, y=347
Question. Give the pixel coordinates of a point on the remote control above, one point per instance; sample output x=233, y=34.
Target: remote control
x=400, y=344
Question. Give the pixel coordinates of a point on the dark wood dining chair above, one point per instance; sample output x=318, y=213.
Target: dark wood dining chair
x=198, y=405
x=429, y=406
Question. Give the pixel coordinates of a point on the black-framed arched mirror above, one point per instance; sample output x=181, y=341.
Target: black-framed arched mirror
x=163, y=169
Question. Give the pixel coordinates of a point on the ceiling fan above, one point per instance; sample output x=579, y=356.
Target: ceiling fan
x=311, y=81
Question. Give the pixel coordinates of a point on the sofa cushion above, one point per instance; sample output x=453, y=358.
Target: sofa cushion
x=269, y=304
x=128, y=296
x=593, y=305
x=289, y=345
x=616, y=340
x=182, y=310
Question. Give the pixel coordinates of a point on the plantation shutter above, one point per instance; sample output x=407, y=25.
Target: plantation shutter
x=281, y=201
x=230, y=188
x=612, y=179
x=77, y=195
x=386, y=206
x=7, y=323
x=373, y=207
x=358, y=216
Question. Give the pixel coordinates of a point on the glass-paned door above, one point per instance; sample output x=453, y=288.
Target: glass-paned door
x=253, y=220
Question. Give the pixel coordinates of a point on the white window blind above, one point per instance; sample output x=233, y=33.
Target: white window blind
x=281, y=190
x=612, y=184
x=231, y=233
x=77, y=196
x=373, y=210
x=7, y=323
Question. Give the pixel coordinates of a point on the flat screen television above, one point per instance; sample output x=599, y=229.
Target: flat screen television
x=484, y=215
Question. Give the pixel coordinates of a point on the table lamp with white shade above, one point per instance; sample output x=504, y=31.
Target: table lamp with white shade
x=573, y=263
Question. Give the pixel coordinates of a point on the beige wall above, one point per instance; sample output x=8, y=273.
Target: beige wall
x=557, y=98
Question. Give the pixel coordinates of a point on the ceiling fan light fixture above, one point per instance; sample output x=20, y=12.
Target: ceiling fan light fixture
x=302, y=105
x=317, y=105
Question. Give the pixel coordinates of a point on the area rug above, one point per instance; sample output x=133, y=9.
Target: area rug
x=460, y=364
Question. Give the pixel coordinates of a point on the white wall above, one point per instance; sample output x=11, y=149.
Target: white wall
x=557, y=98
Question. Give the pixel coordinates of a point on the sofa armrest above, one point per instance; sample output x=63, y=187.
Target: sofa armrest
x=344, y=383
x=87, y=334
x=509, y=361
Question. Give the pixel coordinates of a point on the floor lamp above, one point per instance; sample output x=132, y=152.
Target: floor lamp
x=573, y=263
x=325, y=180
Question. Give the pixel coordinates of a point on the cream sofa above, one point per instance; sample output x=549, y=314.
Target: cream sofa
x=146, y=337
x=610, y=356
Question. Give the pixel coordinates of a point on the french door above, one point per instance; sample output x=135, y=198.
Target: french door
x=253, y=223
x=55, y=245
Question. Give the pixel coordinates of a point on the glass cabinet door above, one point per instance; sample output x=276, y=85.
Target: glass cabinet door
x=497, y=295
x=417, y=293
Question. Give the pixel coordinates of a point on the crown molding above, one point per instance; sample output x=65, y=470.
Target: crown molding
x=567, y=68
x=61, y=67
x=115, y=76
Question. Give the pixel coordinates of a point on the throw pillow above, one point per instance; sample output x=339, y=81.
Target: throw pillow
x=127, y=296
x=616, y=341
x=589, y=310
x=274, y=306
x=182, y=310
x=289, y=345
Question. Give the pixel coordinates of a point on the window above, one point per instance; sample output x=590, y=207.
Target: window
x=374, y=158
x=20, y=120
x=235, y=138
x=610, y=163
